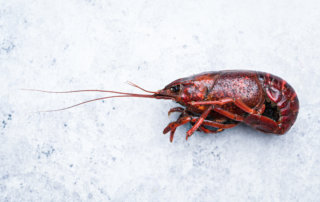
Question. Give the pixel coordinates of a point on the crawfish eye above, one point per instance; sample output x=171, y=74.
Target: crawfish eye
x=175, y=89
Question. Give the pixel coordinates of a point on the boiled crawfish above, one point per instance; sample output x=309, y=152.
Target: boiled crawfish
x=218, y=100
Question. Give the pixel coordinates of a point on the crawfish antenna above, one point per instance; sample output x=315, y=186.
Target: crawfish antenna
x=101, y=98
x=136, y=86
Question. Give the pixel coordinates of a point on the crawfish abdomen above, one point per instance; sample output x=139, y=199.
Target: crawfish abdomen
x=280, y=94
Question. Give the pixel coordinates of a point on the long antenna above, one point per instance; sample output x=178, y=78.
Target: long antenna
x=77, y=91
x=122, y=94
x=135, y=85
x=102, y=98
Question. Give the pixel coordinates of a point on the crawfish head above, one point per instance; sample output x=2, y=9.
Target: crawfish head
x=185, y=90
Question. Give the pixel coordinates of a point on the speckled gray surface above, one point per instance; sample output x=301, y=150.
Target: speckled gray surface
x=114, y=150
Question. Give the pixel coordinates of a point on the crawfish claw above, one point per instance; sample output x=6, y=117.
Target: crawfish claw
x=168, y=128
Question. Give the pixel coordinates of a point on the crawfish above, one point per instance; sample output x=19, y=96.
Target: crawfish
x=217, y=100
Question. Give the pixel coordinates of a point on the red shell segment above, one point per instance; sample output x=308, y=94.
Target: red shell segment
x=284, y=96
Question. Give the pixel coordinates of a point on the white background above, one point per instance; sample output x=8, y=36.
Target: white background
x=114, y=150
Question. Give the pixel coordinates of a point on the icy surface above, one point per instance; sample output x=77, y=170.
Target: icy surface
x=114, y=150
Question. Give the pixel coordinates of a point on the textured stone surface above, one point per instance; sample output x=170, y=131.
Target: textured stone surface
x=114, y=149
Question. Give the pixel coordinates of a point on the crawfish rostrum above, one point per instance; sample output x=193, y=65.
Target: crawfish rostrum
x=217, y=100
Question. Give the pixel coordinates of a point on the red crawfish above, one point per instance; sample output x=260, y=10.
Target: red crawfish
x=217, y=100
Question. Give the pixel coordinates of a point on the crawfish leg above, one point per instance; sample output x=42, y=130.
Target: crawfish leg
x=173, y=125
x=263, y=123
x=206, y=130
x=239, y=103
x=199, y=121
x=219, y=127
x=215, y=124
x=228, y=114
x=175, y=109
x=224, y=112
